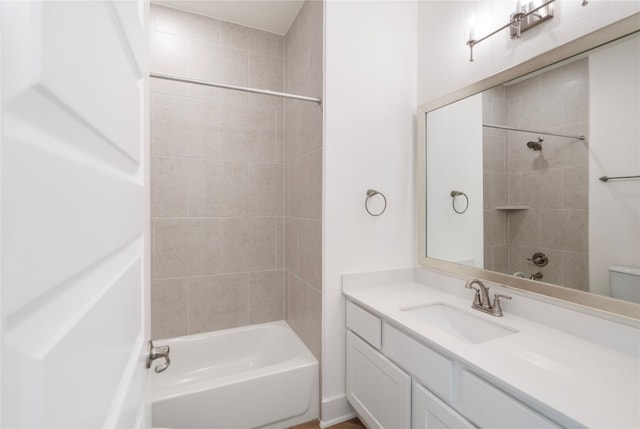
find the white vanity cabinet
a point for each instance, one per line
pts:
(395, 381)
(378, 389)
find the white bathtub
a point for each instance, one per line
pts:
(258, 376)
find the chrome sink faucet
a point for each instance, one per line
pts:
(481, 300)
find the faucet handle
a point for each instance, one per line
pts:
(497, 308)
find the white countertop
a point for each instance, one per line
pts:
(588, 383)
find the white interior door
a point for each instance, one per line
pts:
(74, 213)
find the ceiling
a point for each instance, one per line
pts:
(274, 16)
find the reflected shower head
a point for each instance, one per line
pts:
(536, 144)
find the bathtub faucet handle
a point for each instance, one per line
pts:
(154, 353)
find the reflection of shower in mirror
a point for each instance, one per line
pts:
(536, 145)
(525, 143)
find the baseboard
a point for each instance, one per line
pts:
(335, 409)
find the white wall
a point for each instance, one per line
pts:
(370, 108)
(443, 56)
(614, 150)
(454, 136)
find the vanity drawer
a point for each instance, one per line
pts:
(489, 407)
(365, 324)
(432, 369)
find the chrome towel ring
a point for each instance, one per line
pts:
(372, 193)
(456, 194)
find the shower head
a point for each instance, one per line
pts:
(536, 144)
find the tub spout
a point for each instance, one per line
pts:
(154, 353)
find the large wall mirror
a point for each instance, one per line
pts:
(512, 175)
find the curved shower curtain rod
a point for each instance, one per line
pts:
(235, 88)
(504, 127)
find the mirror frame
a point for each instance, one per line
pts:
(620, 311)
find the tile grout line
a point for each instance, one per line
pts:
(248, 298)
(188, 305)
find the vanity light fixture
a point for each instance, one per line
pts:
(525, 17)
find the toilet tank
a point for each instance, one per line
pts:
(625, 283)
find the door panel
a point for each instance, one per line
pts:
(75, 212)
(58, 223)
(77, 54)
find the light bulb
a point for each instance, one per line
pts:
(472, 28)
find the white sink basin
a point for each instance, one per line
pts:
(460, 324)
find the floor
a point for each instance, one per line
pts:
(349, 424)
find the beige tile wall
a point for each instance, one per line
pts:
(217, 177)
(552, 182)
(236, 192)
(303, 177)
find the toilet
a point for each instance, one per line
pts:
(625, 283)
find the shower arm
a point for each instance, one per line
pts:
(607, 178)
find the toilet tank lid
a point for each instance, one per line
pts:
(626, 270)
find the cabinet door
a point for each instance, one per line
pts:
(377, 389)
(429, 412)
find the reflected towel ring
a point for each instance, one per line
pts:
(372, 193)
(456, 194)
